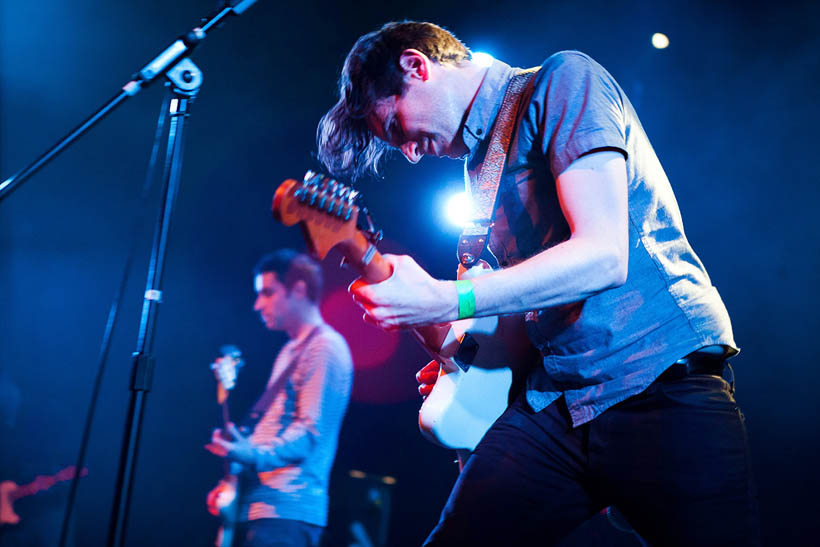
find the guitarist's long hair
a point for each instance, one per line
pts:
(371, 72)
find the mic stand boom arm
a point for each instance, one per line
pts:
(159, 66)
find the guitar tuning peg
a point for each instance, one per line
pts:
(312, 178)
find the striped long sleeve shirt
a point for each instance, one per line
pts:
(296, 437)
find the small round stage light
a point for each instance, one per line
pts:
(482, 59)
(458, 209)
(660, 40)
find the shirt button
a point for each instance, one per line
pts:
(479, 131)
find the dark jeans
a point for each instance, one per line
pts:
(278, 533)
(673, 459)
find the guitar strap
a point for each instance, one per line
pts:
(275, 387)
(484, 188)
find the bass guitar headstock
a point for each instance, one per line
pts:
(226, 369)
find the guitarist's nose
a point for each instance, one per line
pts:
(411, 151)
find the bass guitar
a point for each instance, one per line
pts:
(226, 369)
(477, 357)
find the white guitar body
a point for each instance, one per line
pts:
(464, 404)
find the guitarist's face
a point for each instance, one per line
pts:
(426, 118)
(272, 301)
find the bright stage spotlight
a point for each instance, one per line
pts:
(482, 59)
(660, 40)
(458, 209)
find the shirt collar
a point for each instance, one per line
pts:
(486, 104)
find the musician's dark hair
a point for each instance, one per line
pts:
(371, 72)
(291, 266)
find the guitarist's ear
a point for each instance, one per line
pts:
(415, 64)
(299, 289)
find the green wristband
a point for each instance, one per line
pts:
(466, 298)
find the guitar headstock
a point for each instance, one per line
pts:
(329, 212)
(226, 369)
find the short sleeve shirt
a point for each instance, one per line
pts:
(610, 346)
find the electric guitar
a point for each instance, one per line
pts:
(226, 369)
(477, 357)
(11, 492)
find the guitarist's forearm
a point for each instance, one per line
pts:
(592, 193)
(569, 272)
(291, 447)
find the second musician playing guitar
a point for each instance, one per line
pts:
(289, 446)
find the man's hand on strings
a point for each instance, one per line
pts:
(408, 298)
(237, 447)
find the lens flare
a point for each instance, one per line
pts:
(660, 40)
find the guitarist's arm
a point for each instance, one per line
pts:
(592, 192)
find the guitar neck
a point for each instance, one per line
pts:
(44, 482)
(226, 413)
(331, 215)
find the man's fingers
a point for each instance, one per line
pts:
(222, 443)
(216, 434)
(428, 373)
(427, 377)
(216, 449)
(234, 431)
(356, 285)
(361, 292)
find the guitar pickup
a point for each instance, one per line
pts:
(467, 351)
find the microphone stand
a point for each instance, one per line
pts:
(184, 80)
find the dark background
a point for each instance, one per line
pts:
(730, 106)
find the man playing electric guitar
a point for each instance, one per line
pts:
(627, 406)
(287, 457)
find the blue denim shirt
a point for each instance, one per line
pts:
(602, 350)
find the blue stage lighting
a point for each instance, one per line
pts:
(458, 209)
(482, 59)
